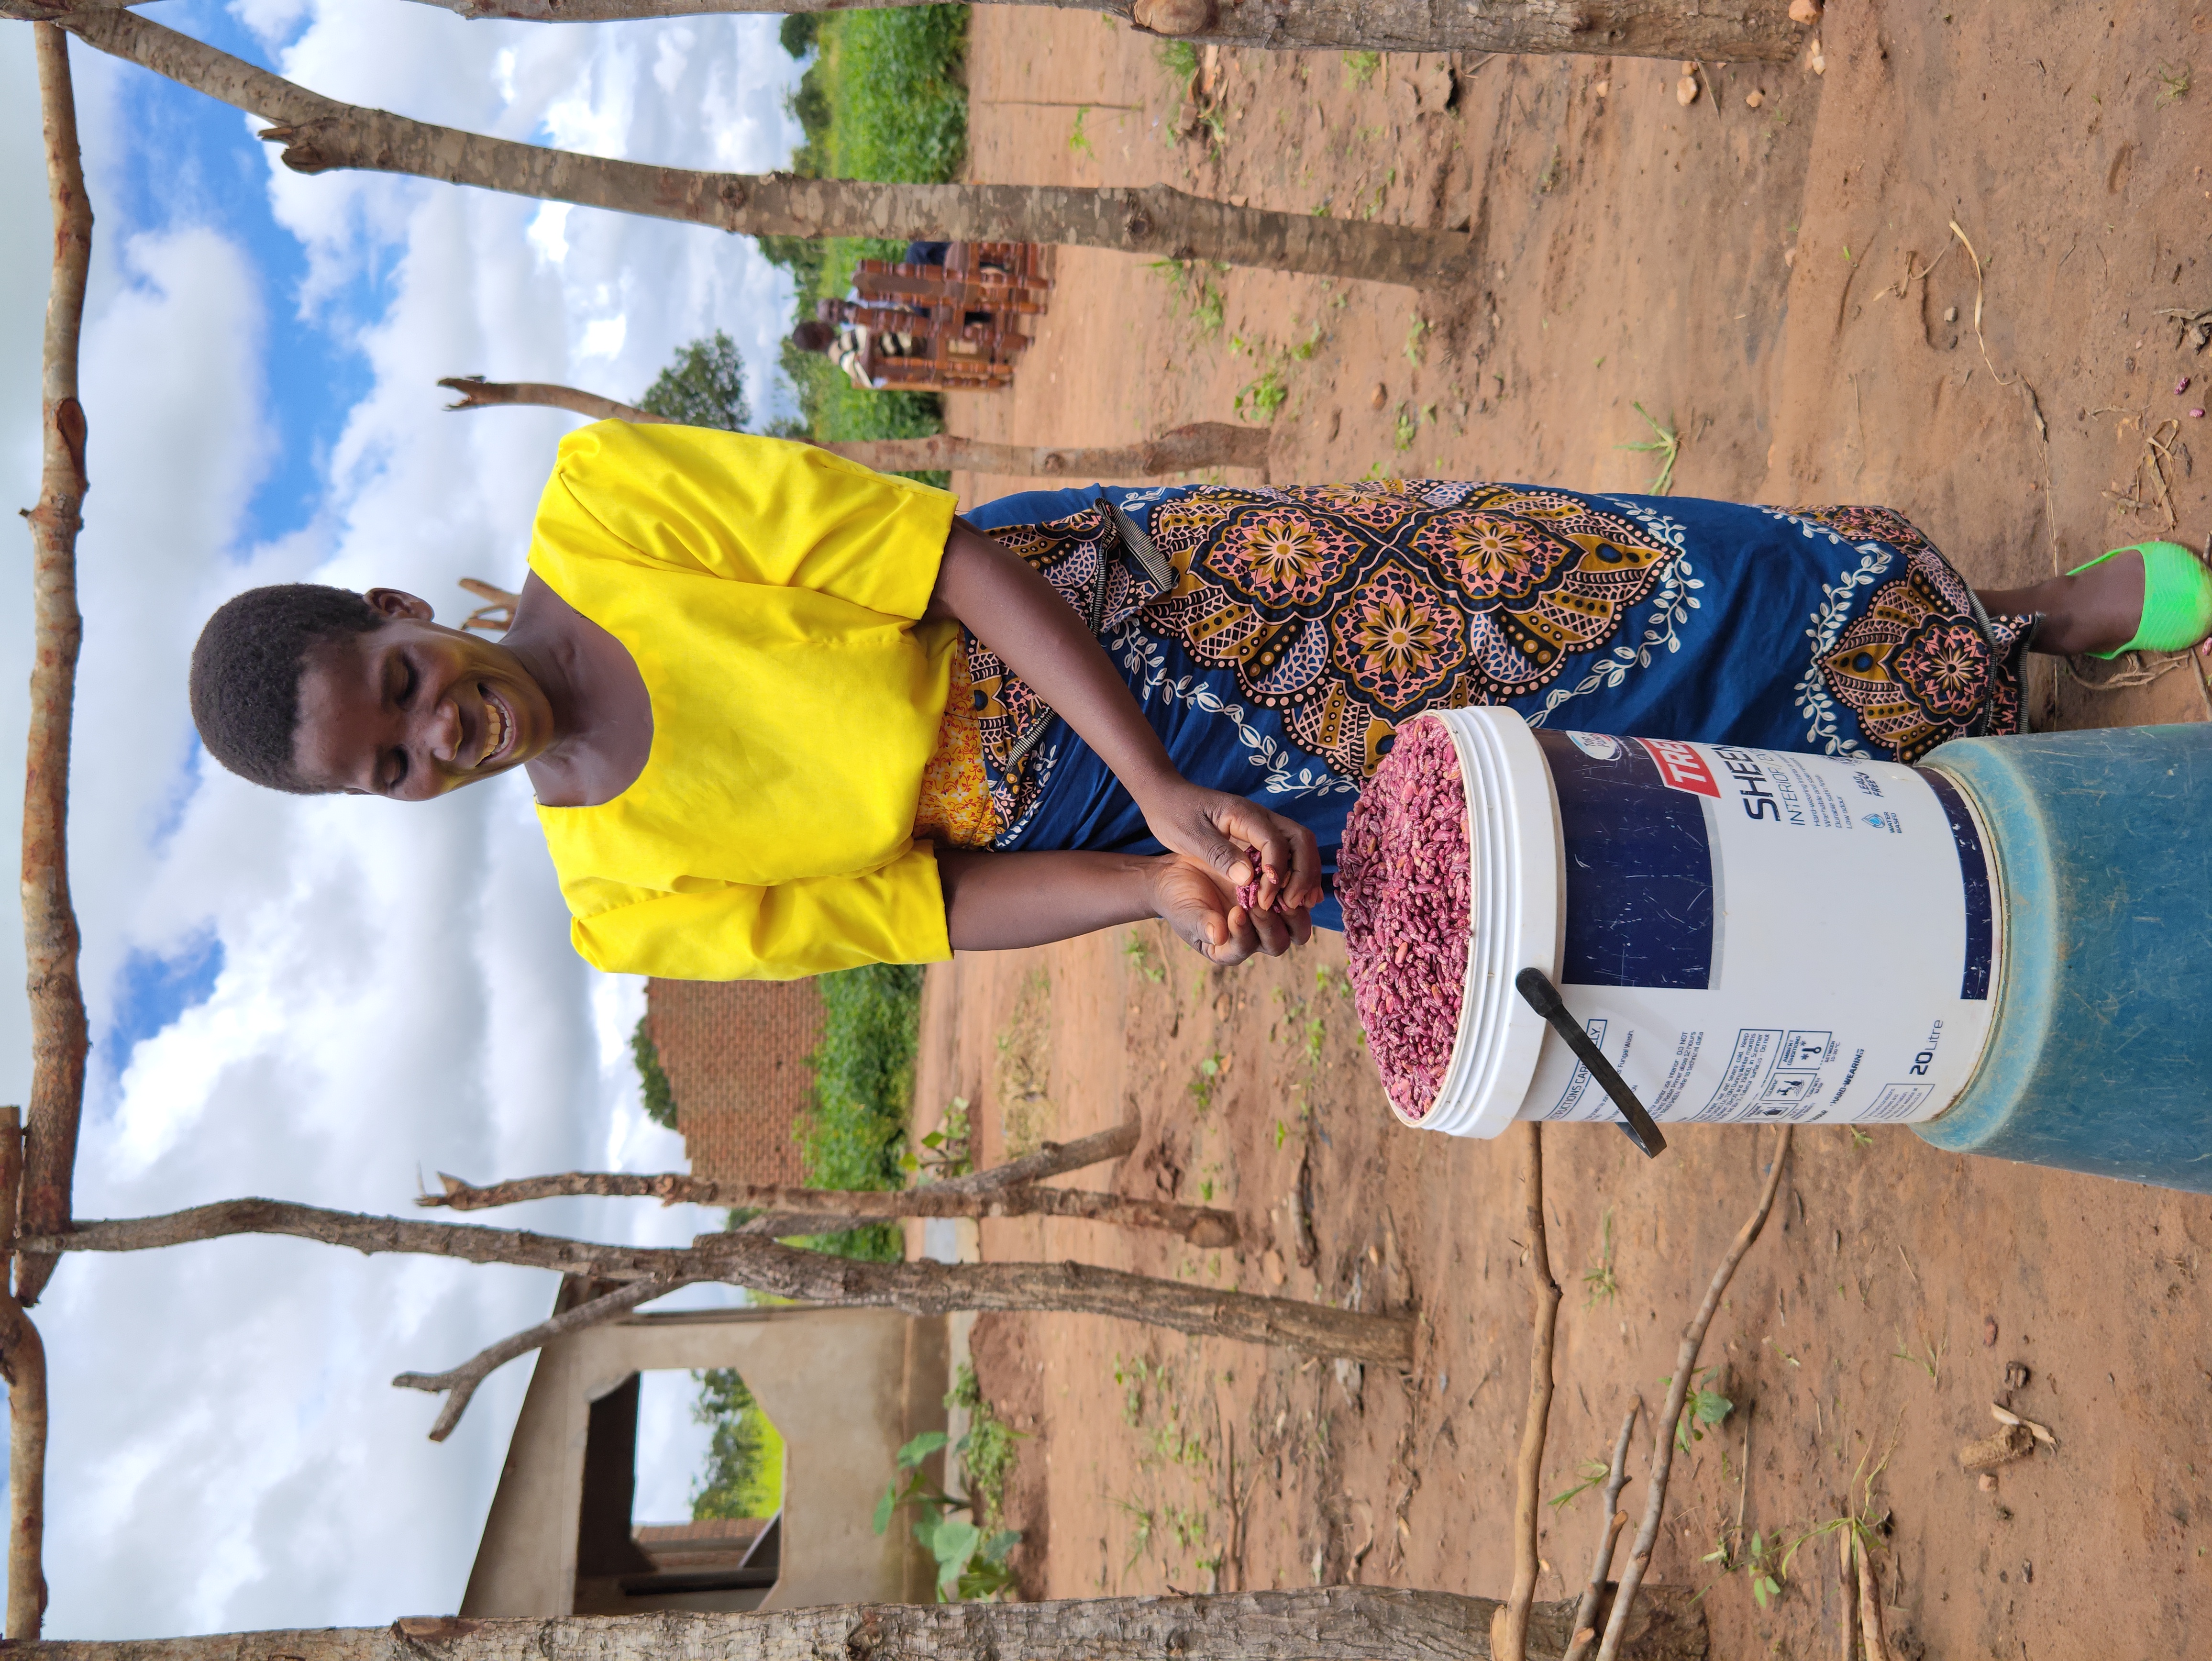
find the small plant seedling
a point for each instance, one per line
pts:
(1178, 57)
(1137, 951)
(1359, 67)
(1077, 140)
(1204, 1080)
(1598, 1282)
(1305, 349)
(1593, 1472)
(1414, 341)
(1929, 1362)
(1666, 443)
(1760, 1563)
(2172, 84)
(945, 1152)
(1265, 394)
(1702, 1408)
(1408, 427)
(1282, 1132)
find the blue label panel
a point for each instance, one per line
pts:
(1974, 872)
(1639, 868)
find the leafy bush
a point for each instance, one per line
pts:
(854, 1130)
(652, 1080)
(972, 1557)
(745, 1461)
(705, 387)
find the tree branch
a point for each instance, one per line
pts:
(1181, 449)
(919, 1288)
(319, 134)
(462, 1381)
(1685, 1364)
(58, 1040)
(1509, 1637)
(1609, 1531)
(1321, 1623)
(790, 1211)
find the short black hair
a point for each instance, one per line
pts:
(813, 336)
(246, 668)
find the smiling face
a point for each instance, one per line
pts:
(413, 709)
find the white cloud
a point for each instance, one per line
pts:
(397, 991)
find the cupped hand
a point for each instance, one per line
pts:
(1199, 903)
(1220, 830)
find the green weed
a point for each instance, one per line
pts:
(1598, 1283)
(1665, 443)
(1204, 1080)
(1137, 954)
(971, 1557)
(2172, 84)
(1077, 141)
(1359, 67)
(1408, 427)
(1413, 349)
(1265, 394)
(1593, 1472)
(1702, 1410)
(947, 1151)
(1178, 57)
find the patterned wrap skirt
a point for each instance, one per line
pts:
(1277, 639)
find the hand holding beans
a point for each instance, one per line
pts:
(1222, 831)
(1203, 909)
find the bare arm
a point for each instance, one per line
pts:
(1014, 612)
(995, 902)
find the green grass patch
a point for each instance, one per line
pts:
(854, 1131)
(744, 1460)
(885, 98)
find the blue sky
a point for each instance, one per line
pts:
(315, 999)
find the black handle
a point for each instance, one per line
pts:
(1535, 987)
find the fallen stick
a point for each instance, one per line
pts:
(1509, 1631)
(1685, 1364)
(1873, 1638)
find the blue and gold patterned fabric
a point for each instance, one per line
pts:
(1277, 639)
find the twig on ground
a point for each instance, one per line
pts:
(1685, 1365)
(1615, 1519)
(1848, 1572)
(1872, 1637)
(460, 1383)
(1509, 1630)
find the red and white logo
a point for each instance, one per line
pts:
(1681, 767)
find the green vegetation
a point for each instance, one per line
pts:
(1665, 444)
(972, 1555)
(853, 1135)
(705, 387)
(1592, 1472)
(744, 1461)
(1359, 67)
(1598, 1283)
(1702, 1408)
(885, 98)
(653, 1081)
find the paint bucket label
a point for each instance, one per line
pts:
(1756, 934)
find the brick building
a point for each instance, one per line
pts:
(735, 1053)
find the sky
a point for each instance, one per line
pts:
(327, 1000)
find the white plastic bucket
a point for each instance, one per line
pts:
(1748, 934)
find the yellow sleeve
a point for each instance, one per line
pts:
(716, 931)
(761, 510)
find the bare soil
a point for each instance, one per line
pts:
(1748, 276)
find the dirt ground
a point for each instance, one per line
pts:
(1748, 274)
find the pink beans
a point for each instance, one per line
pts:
(1248, 895)
(1402, 881)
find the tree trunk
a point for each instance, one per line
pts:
(1180, 450)
(1730, 31)
(1326, 1623)
(923, 1288)
(58, 1041)
(24, 1364)
(320, 133)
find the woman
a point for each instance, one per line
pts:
(783, 714)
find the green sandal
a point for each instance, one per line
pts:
(2177, 609)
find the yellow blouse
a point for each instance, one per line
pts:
(771, 594)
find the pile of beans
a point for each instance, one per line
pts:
(1402, 881)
